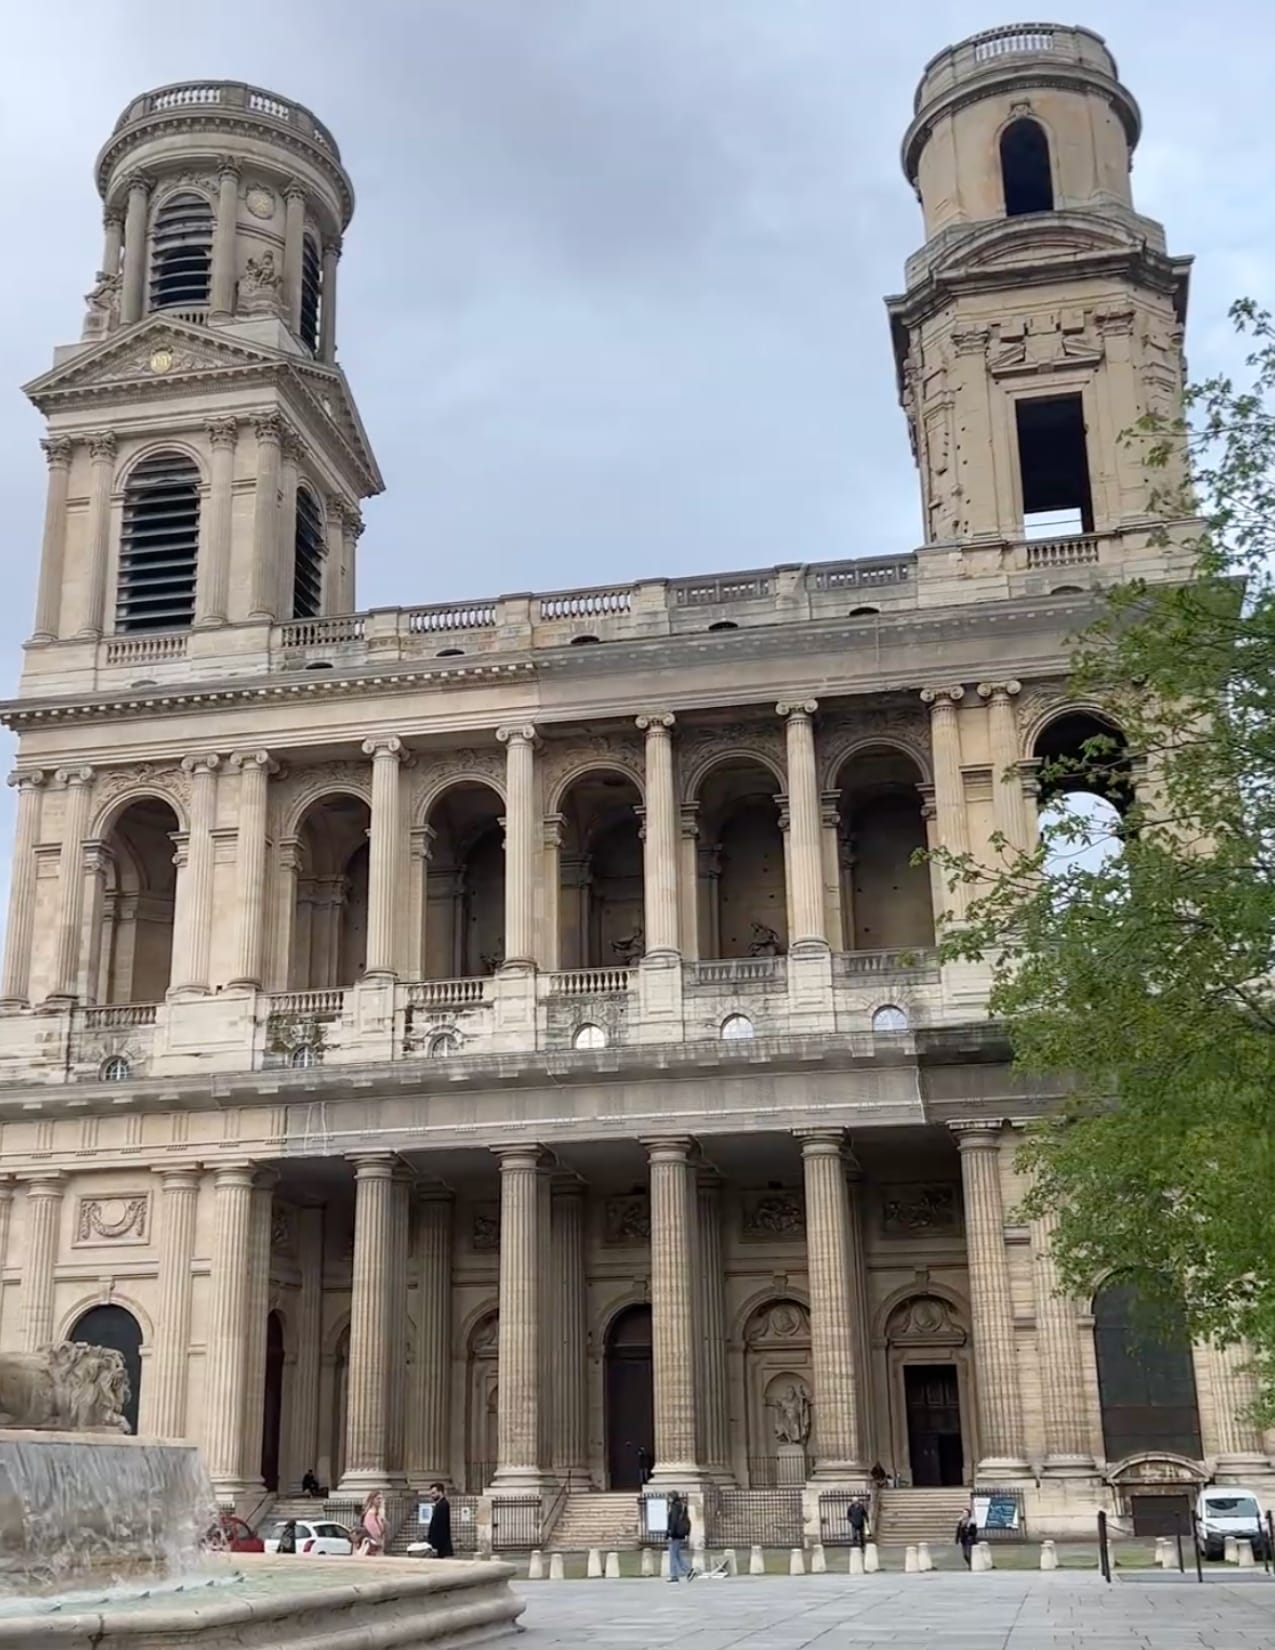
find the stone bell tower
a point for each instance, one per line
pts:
(206, 458)
(1043, 316)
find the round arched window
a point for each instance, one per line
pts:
(444, 1045)
(737, 1028)
(889, 1018)
(589, 1036)
(116, 1069)
(306, 1056)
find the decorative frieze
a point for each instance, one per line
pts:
(921, 1210)
(626, 1221)
(773, 1216)
(783, 1321)
(484, 1230)
(123, 1218)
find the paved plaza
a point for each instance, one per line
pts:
(940, 1612)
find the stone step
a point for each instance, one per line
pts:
(596, 1519)
(920, 1515)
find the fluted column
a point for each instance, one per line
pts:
(212, 576)
(16, 985)
(258, 1310)
(254, 769)
(168, 1375)
(292, 451)
(1235, 1391)
(43, 1227)
(133, 292)
(949, 784)
(226, 1361)
(1062, 1371)
(673, 1328)
(303, 1406)
(396, 1349)
(571, 1335)
(430, 1411)
(1008, 802)
(712, 1315)
(367, 1409)
(58, 451)
(327, 301)
(382, 900)
(293, 250)
(520, 843)
(1000, 1410)
(522, 1297)
(224, 247)
(101, 478)
(833, 1334)
(195, 889)
(75, 783)
(112, 242)
(805, 857)
(659, 842)
(263, 585)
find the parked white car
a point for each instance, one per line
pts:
(315, 1540)
(1223, 1510)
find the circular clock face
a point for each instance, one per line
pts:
(260, 202)
(162, 361)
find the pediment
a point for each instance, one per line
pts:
(158, 350)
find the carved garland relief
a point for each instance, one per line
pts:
(121, 1219)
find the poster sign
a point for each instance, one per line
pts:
(424, 1512)
(656, 1515)
(996, 1512)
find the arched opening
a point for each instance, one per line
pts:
(465, 884)
(1146, 1376)
(886, 901)
(181, 253)
(311, 285)
(482, 1438)
(600, 905)
(139, 893)
(272, 1403)
(330, 924)
(743, 904)
(159, 545)
(1085, 791)
(308, 551)
(928, 1369)
(778, 1392)
(1025, 172)
(630, 1399)
(115, 1327)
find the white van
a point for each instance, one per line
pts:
(1224, 1510)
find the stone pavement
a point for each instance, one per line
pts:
(939, 1612)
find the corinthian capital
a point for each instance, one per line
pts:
(57, 450)
(222, 432)
(102, 445)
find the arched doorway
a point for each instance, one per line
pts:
(927, 1352)
(1146, 1376)
(600, 905)
(330, 926)
(134, 959)
(886, 900)
(741, 881)
(465, 884)
(777, 1375)
(115, 1327)
(272, 1403)
(630, 1399)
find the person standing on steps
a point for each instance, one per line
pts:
(679, 1533)
(967, 1533)
(439, 1534)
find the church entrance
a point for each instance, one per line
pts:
(630, 1399)
(272, 1407)
(933, 1398)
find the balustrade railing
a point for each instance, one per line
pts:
(307, 1002)
(864, 575)
(898, 961)
(144, 650)
(590, 982)
(118, 1016)
(730, 587)
(464, 993)
(428, 621)
(1078, 551)
(735, 970)
(349, 627)
(1020, 37)
(587, 604)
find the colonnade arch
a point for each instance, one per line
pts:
(601, 892)
(114, 1326)
(329, 941)
(138, 903)
(465, 883)
(742, 903)
(886, 900)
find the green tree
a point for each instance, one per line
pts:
(1141, 967)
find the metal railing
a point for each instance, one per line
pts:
(516, 1522)
(834, 1518)
(1005, 1528)
(770, 1472)
(478, 1474)
(765, 1518)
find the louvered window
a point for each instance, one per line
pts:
(311, 279)
(307, 576)
(181, 253)
(159, 546)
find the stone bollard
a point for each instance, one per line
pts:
(924, 1562)
(977, 1558)
(818, 1560)
(910, 1563)
(871, 1558)
(648, 1561)
(731, 1561)
(536, 1566)
(1244, 1554)
(756, 1562)
(1231, 1550)
(613, 1567)
(985, 1548)
(1048, 1556)
(666, 1570)
(1161, 1552)
(556, 1570)
(796, 1562)
(593, 1569)
(856, 1561)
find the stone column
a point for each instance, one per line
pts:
(660, 837)
(293, 249)
(1062, 1372)
(292, 451)
(327, 301)
(268, 428)
(48, 599)
(262, 1221)
(520, 843)
(303, 1407)
(805, 858)
(226, 1361)
(673, 1329)
(7, 1187)
(254, 769)
(212, 577)
(133, 290)
(383, 892)
(112, 242)
(522, 1296)
(225, 241)
(396, 1347)
(195, 889)
(833, 1336)
(712, 1316)
(101, 480)
(571, 1335)
(43, 1227)
(168, 1375)
(949, 784)
(1000, 1411)
(430, 1452)
(16, 984)
(336, 596)
(1008, 802)
(367, 1423)
(1239, 1440)
(75, 783)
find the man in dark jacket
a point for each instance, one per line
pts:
(967, 1533)
(439, 1534)
(858, 1517)
(679, 1533)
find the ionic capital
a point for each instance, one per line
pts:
(29, 780)
(656, 723)
(239, 760)
(517, 733)
(796, 710)
(222, 432)
(200, 763)
(72, 777)
(1002, 691)
(102, 446)
(942, 698)
(384, 747)
(57, 451)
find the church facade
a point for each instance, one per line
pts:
(489, 1041)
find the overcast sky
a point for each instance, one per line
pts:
(611, 299)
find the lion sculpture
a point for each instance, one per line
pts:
(66, 1388)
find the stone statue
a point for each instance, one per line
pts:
(629, 947)
(261, 288)
(103, 305)
(67, 1388)
(792, 1415)
(765, 942)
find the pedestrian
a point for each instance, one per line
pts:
(310, 1484)
(372, 1526)
(439, 1533)
(858, 1517)
(288, 1537)
(967, 1533)
(679, 1533)
(644, 1463)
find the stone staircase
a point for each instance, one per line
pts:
(591, 1519)
(907, 1516)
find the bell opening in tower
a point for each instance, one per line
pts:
(1053, 466)
(1025, 173)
